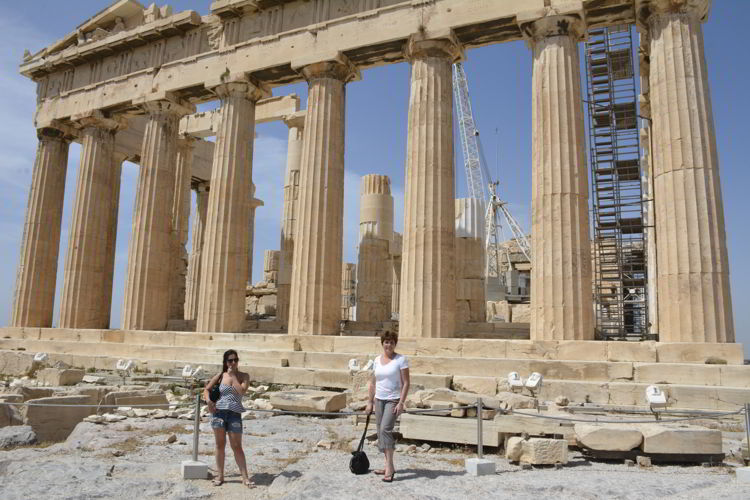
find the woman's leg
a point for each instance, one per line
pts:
(235, 441)
(378, 417)
(221, 441)
(388, 442)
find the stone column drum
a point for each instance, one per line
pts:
(693, 267)
(348, 291)
(318, 244)
(180, 227)
(192, 285)
(561, 295)
(395, 259)
(296, 126)
(470, 265)
(114, 213)
(428, 276)
(147, 285)
(225, 262)
(89, 261)
(34, 299)
(253, 204)
(375, 235)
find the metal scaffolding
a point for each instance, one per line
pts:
(619, 246)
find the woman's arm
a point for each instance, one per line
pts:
(370, 394)
(405, 383)
(211, 382)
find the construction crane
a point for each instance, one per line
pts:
(481, 187)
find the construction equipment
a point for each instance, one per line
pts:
(481, 187)
(620, 277)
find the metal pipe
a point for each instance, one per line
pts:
(196, 426)
(747, 429)
(479, 428)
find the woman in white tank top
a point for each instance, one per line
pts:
(388, 388)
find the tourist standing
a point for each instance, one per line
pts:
(227, 414)
(388, 388)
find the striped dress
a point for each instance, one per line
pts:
(229, 399)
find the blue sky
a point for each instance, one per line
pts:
(500, 83)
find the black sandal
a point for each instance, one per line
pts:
(388, 479)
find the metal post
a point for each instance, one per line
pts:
(479, 428)
(747, 428)
(197, 426)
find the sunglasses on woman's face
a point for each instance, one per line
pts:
(232, 360)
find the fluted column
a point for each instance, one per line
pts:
(395, 259)
(695, 303)
(89, 262)
(147, 285)
(318, 243)
(196, 254)
(180, 227)
(221, 305)
(296, 124)
(114, 212)
(254, 203)
(428, 274)
(34, 299)
(375, 235)
(561, 296)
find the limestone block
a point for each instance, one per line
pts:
(680, 440)
(520, 313)
(632, 351)
(537, 451)
(467, 398)
(447, 430)
(16, 363)
(484, 348)
(698, 352)
(582, 350)
(515, 424)
(136, 398)
(575, 391)
(16, 435)
(677, 374)
(57, 377)
(478, 385)
(340, 379)
(308, 400)
(608, 437)
(33, 392)
(293, 376)
(9, 415)
(513, 401)
(54, 423)
(735, 376)
(438, 347)
(424, 381)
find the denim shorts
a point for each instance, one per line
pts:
(229, 420)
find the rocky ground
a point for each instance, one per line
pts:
(303, 457)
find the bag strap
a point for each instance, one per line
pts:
(364, 433)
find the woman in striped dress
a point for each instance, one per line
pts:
(227, 414)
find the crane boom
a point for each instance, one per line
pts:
(476, 179)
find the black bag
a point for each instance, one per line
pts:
(359, 464)
(214, 393)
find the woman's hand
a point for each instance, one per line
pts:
(368, 408)
(211, 406)
(399, 409)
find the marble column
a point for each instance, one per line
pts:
(395, 259)
(254, 203)
(561, 294)
(695, 303)
(375, 235)
(296, 124)
(318, 244)
(147, 285)
(34, 299)
(86, 297)
(196, 254)
(348, 291)
(470, 266)
(428, 274)
(180, 227)
(114, 213)
(221, 306)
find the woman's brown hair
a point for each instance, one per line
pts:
(389, 335)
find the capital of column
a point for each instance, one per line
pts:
(164, 103)
(239, 86)
(295, 120)
(52, 133)
(98, 119)
(647, 9)
(338, 67)
(185, 141)
(552, 24)
(419, 47)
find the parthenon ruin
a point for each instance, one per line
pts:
(126, 83)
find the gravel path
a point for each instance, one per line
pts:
(285, 462)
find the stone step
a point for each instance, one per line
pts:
(641, 352)
(466, 368)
